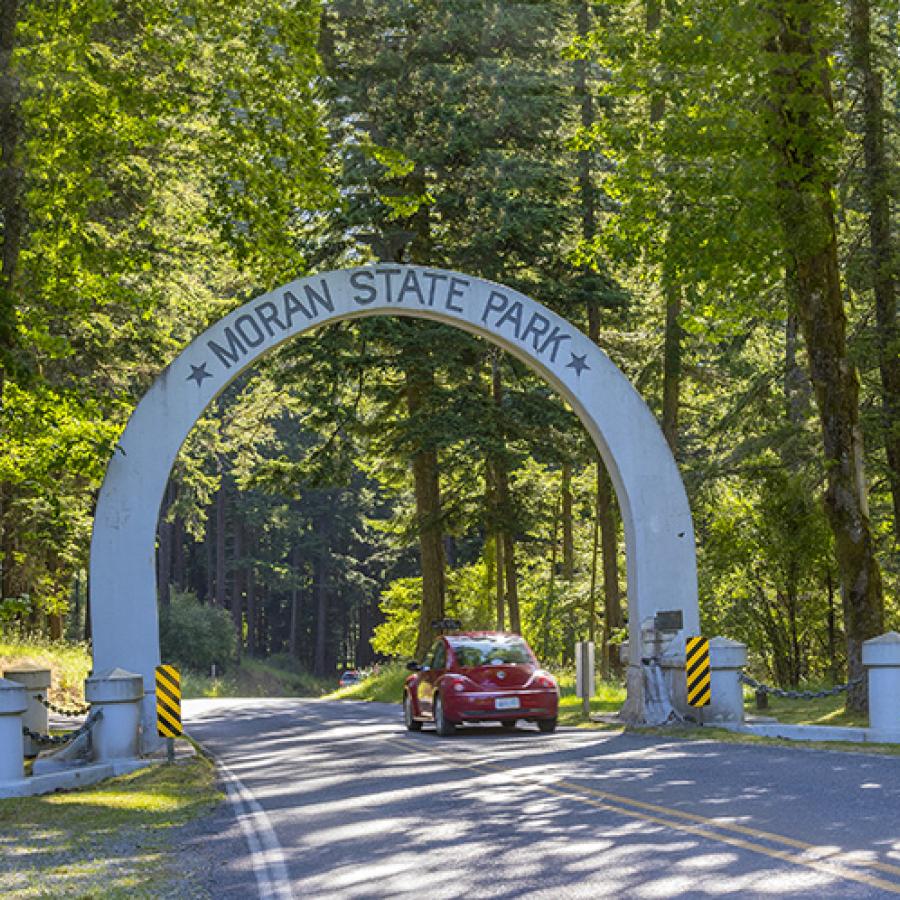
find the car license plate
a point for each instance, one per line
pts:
(507, 703)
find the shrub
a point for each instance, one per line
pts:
(194, 636)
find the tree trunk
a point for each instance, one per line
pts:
(512, 582)
(164, 551)
(426, 482)
(12, 213)
(671, 381)
(237, 584)
(568, 536)
(179, 577)
(505, 516)
(210, 547)
(252, 611)
(221, 599)
(609, 543)
(671, 363)
(877, 185)
(550, 603)
(806, 209)
(295, 601)
(500, 579)
(592, 594)
(321, 589)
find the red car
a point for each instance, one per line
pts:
(485, 676)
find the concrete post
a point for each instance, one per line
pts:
(36, 682)
(881, 656)
(727, 659)
(13, 703)
(118, 694)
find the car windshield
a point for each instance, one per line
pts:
(491, 652)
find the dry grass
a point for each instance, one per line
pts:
(69, 664)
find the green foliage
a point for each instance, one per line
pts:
(398, 634)
(196, 636)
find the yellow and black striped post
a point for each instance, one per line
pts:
(696, 667)
(168, 705)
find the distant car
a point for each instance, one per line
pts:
(350, 677)
(485, 676)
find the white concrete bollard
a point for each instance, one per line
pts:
(727, 659)
(118, 694)
(13, 703)
(36, 682)
(881, 656)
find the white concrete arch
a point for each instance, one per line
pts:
(659, 537)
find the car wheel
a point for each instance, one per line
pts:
(441, 725)
(412, 724)
(509, 724)
(548, 726)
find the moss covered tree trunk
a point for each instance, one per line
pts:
(800, 123)
(882, 246)
(11, 228)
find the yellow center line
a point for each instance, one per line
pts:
(834, 865)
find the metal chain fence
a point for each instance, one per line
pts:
(72, 713)
(761, 688)
(55, 740)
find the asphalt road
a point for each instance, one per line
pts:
(337, 799)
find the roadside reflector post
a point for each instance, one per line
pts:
(698, 673)
(13, 703)
(584, 674)
(36, 682)
(168, 707)
(119, 695)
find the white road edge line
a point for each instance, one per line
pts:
(266, 855)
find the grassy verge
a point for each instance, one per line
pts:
(820, 711)
(608, 697)
(113, 840)
(385, 685)
(69, 664)
(257, 678)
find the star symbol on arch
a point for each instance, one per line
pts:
(199, 374)
(578, 363)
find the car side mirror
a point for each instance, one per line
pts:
(413, 666)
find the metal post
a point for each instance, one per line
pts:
(584, 674)
(170, 749)
(586, 696)
(13, 703)
(881, 656)
(36, 682)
